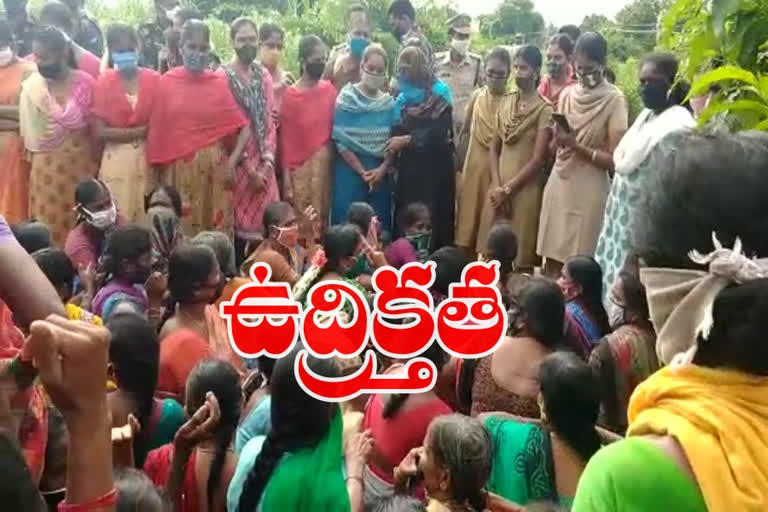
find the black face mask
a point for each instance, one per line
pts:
(246, 53)
(50, 71)
(655, 95)
(314, 70)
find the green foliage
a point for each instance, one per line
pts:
(627, 81)
(516, 21)
(729, 36)
(633, 33)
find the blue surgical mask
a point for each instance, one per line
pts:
(357, 46)
(126, 62)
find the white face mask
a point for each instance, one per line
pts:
(6, 56)
(615, 314)
(460, 46)
(374, 82)
(103, 219)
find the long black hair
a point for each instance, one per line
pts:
(134, 352)
(542, 305)
(220, 378)
(298, 421)
(586, 272)
(125, 243)
(188, 267)
(571, 394)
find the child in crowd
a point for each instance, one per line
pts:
(416, 242)
(59, 270)
(32, 235)
(128, 266)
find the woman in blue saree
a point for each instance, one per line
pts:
(362, 123)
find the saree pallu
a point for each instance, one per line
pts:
(312, 186)
(518, 128)
(53, 178)
(476, 174)
(14, 168)
(206, 189)
(523, 469)
(362, 126)
(14, 185)
(622, 360)
(125, 171)
(124, 166)
(249, 204)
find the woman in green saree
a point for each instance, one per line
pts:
(534, 460)
(300, 465)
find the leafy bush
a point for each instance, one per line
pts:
(627, 80)
(729, 36)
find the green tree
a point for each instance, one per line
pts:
(516, 18)
(723, 44)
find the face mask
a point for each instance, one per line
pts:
(50, 71)
(555, 69)
(496, 85)
(655, 95)
(525, 83)
(460, 46)
(288, 237)
(270, 57)
(101, 220)
(421, 242)
(357, 46)
(6, 56)
(195, 61)
(126, 62)
(591, 80)
(374, 82)
(246, 53)
(314, 70)
(615, 315)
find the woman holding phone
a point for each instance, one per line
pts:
(576, 192)
(517, 155)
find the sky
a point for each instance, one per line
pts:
(557, 12)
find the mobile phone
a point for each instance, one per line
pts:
(562, 122)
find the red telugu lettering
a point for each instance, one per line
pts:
(262, 317)
(471, 322)
(403, 295)
(334, 334)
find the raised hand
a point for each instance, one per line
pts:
(71, 358)
(200, 426)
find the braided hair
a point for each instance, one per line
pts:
(298, 421)
(188, 267)
(220, 378)
(134, 352)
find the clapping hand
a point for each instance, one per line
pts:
(200, 426)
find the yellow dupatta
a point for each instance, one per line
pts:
(720, 418)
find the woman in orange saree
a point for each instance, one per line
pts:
(122, 102)
(13, 167)
(54, 107)
(193, 119)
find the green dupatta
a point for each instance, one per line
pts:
(311, 478)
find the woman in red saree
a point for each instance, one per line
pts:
(306, 122)
(194, 120)
(122, 102)
(256, 184)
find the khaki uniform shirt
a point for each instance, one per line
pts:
(463, 78)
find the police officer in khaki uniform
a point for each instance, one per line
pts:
(464, 72)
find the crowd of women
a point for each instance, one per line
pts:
(633, 377)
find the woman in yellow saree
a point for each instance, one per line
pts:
(53, 112)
